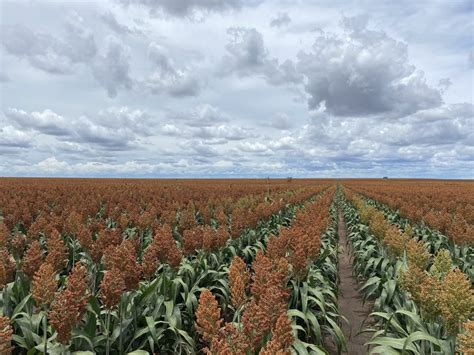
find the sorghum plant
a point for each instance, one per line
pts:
(6, 333)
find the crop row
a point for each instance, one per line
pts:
(286, 299)
(124, 289)
(422, 302)
(445, 206)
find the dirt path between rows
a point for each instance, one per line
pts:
(350, 300)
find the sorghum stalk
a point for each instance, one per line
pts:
(107, 322)
(73, 253)
(45, 329)
(120, 325)
(5, 299)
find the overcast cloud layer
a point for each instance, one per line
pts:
(237, 88)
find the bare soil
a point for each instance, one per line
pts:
(350, 300)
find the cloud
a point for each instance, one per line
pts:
(111, 21)
(232, 133)
(55, 55)
(363, 72)
(414, 137)
(199, 149)
(47, 122)
(167, 77)
(111, 68)
(205, 90)
(282, 19)
(281, 121)
(185, 8)
(59, 54)
(256, 147)
(112, 129)
(10, 137)
(247, 55)
(4, 78)
(137, 120)
(204, 115)
(170, 130)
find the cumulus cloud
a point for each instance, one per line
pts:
(416, 137)
(356, 73)
(47, 122)
(10, 137)
(363, 72)
(110, 20)
(76, 45)
(199, 149)
(255, 147)
(185, 8)
(204, 115)
(348, 101)
(232, 133)
(111, 129)
(281, 121)
(112, 68)
(247, 55)
(282, 19)
(167, 77)
(52, 54)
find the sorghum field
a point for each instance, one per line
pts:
(117, 266)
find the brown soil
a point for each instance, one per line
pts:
(350, 300)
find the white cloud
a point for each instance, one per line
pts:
(364, 72)
(236, 88)
(47, 122)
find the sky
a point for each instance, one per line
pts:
(237, 88)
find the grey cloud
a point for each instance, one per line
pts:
(185, 8)
(111, 68)
(113, 128)
(167, 77)
(256, 147)
(111, 139)
(281, 121)
(444, 84)
(111, 21)
(12, 138)
(416, 137)
(4, 78)
(247, 55)
(204, 115)
(55, 55)
(58, 54)
(118, 117)
(233, 133)
(471, 59)
(47, 122)
(199, 148)
(364, 72)
(170, 130)
(282, 19)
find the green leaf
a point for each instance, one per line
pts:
(19, 307)
(418, 335)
